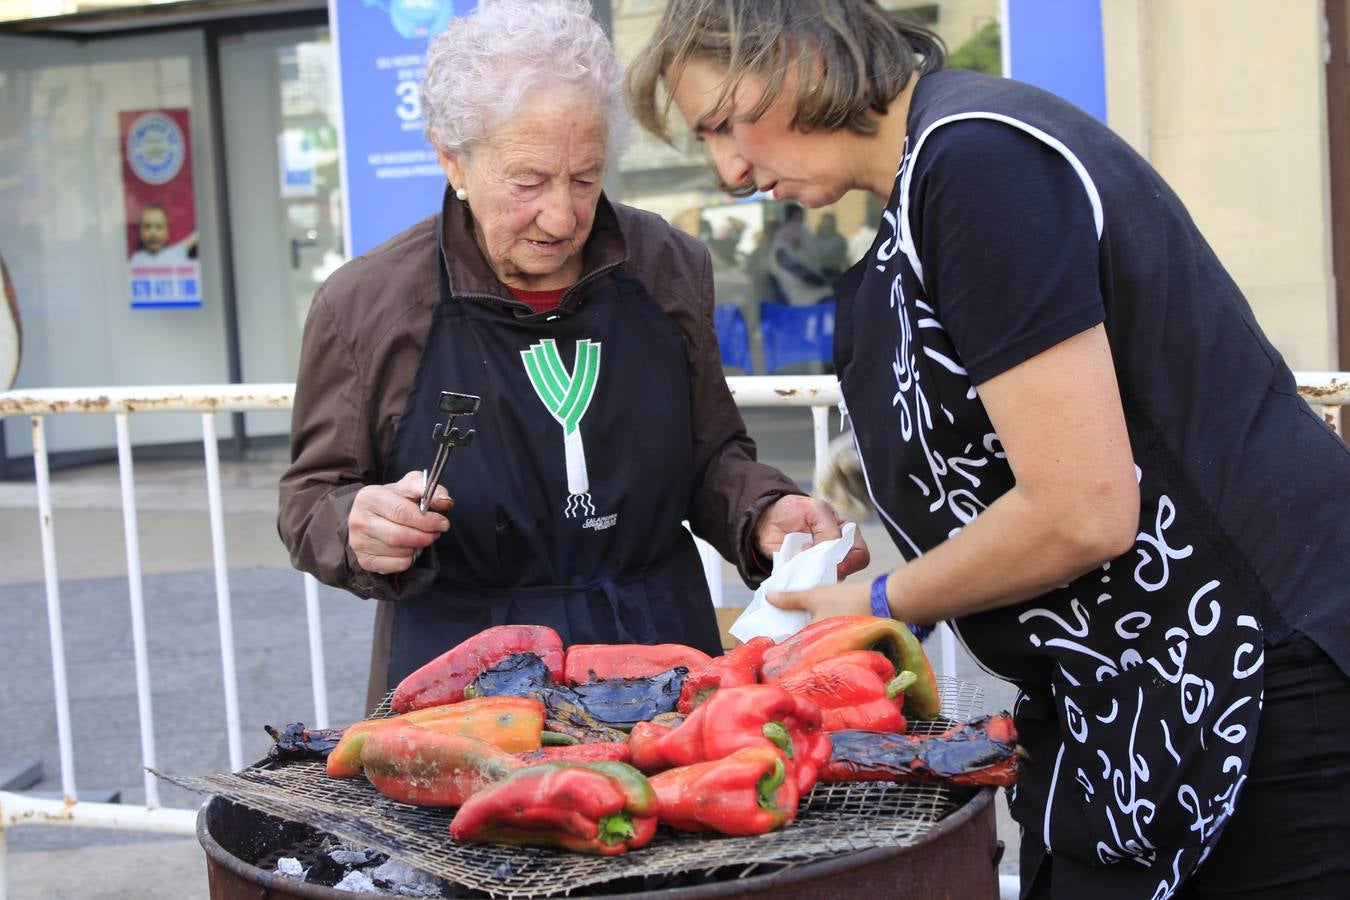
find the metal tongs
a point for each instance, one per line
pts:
(447, 437)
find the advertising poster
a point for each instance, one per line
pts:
(391, 176)
(161, 212)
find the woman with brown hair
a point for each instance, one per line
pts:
(1097, 466)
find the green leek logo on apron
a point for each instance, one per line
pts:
(567, 395)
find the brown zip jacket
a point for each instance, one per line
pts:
(362, 344)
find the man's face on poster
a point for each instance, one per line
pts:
(154, 229)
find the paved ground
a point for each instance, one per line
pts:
(185, 671)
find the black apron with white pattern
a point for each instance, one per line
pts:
(1140, 681)
(569, 500)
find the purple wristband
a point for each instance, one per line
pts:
(881, 607)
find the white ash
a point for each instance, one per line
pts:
(345, 856)
(289, 865)
(403, 879)
(357, 882)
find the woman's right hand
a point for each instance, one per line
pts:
(385, 527)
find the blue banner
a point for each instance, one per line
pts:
(1057, 45)
(391, 178)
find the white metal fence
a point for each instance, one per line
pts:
(1328, 390)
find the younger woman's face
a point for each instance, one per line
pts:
(154, 229)
(809, 167)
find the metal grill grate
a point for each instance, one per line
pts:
(833, 819)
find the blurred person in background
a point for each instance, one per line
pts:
(1097, 466)
(792, 262)
(586, 328)
(831, 248)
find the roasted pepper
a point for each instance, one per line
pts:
(513, 724)
(739, 666)
(854, 690)
(299, 742)
(614, 751)
(444, 678)
(983, 751)
(830, 637)
(595, 662)
(754, 715)
(525, 675)
(596, 807)
(752, 791)
(413, 764)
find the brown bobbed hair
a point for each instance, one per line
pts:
(845, 60)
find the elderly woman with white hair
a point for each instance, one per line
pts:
(586, 328)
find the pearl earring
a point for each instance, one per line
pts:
(461, 194)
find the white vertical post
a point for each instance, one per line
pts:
(820, 420)
(3, 876)
(131, 527)
(316, 661)
(223, 613)
(54, 630)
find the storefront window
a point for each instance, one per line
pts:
(677, 182)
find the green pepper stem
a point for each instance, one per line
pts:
(470, 691)
(614, 828)
(769, 785)
(556, 739)
(899, 684)
(778, 733)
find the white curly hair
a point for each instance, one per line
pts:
(483, 64)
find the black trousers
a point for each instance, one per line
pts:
(1289, 838)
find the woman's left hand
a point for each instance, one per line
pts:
(795, 513)
(848, 598)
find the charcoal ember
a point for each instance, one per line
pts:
(345, 856)
(290, 866)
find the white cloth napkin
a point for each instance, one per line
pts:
(796, 567)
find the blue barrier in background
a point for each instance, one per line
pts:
(796, 334)
(732, 336)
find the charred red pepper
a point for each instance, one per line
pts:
(981, 752)
(739, 666)
(444, 678)
(599, 662)
(752, 791)
(612, 751)
(755, 715)
(830, 637)
(599, 807)
(514, 724)
(413, 764)
(854, 690)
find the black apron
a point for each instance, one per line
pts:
(569, 500)
(1141, 680)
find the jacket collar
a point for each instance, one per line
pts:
(472, 278)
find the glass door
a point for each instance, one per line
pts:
(280, 113)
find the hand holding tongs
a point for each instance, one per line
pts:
(447, 437)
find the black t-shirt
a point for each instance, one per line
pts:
(1018, 221)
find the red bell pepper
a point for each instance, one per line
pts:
(599, 807)
(612, 751)
(739, 666)
(755, 715)
(603, 662)
(981, 752)
(854, 690)
(444, 678)
(413, 764)
(830, 637)
(752, 791)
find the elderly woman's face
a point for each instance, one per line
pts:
(533, 187)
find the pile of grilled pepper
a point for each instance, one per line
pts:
(589, 748)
